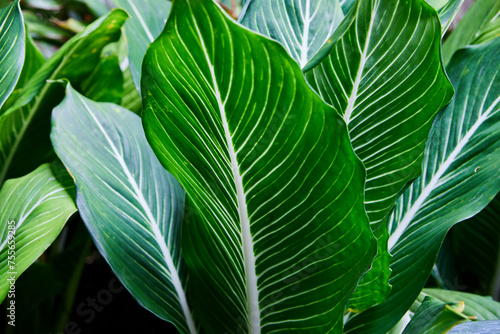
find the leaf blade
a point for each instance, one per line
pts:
(450, 166)
(123, 191)
(211, 128)
(39, 204)
(12, 36)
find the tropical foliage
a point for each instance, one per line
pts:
(297, 166)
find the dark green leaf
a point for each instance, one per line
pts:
(12, 37)
(382, 71)
(460, 177)
(275, 236)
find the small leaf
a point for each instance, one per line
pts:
(475, 306)
(33, 211)
(25, 126)
(147, 19)
(12, 37)
(435, 317)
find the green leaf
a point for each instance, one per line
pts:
(447, 10)
(481, 15)
(105, 83)
(473, 253)
(147, 19)
(25, 126)
(482, 327)
(460, 177)
(131, 99)
(382, 72)
(12, 37)
(477, 307)
(132, 207)
(436, 317)
(35, 207)
(301, 26)
(347, 5)
(275, 236)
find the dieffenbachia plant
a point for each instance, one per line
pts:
(295, 170)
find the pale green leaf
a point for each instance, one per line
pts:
(475, 306)
(275, 236)
(36, 207)
(131, 205)
(301, 26)
(479, 327)
(12, 39)
(147, 19)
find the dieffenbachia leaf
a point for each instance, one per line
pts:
(475, 306)
(483, 327)
(436, 317)
(382, 71)
(36, 208)
(131, 205)
(275, 236)
(25, 126)
(147, 19)
(12, 37)
(460, 177)
(301, 26)
(476, 26)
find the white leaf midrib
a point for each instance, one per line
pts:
(436, 178)
(359, 75)
(141, 21)
(305, 35)
(139, 196)
(252, 291)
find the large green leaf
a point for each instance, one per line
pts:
(436, 317)
(382, 71)
(35, 207)
(476, 307)
(275, 237)
(12, 37)
(147, 19)
(460, 177)
(25, 126)
(301, 26)
(131, 205)
(481, 16)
